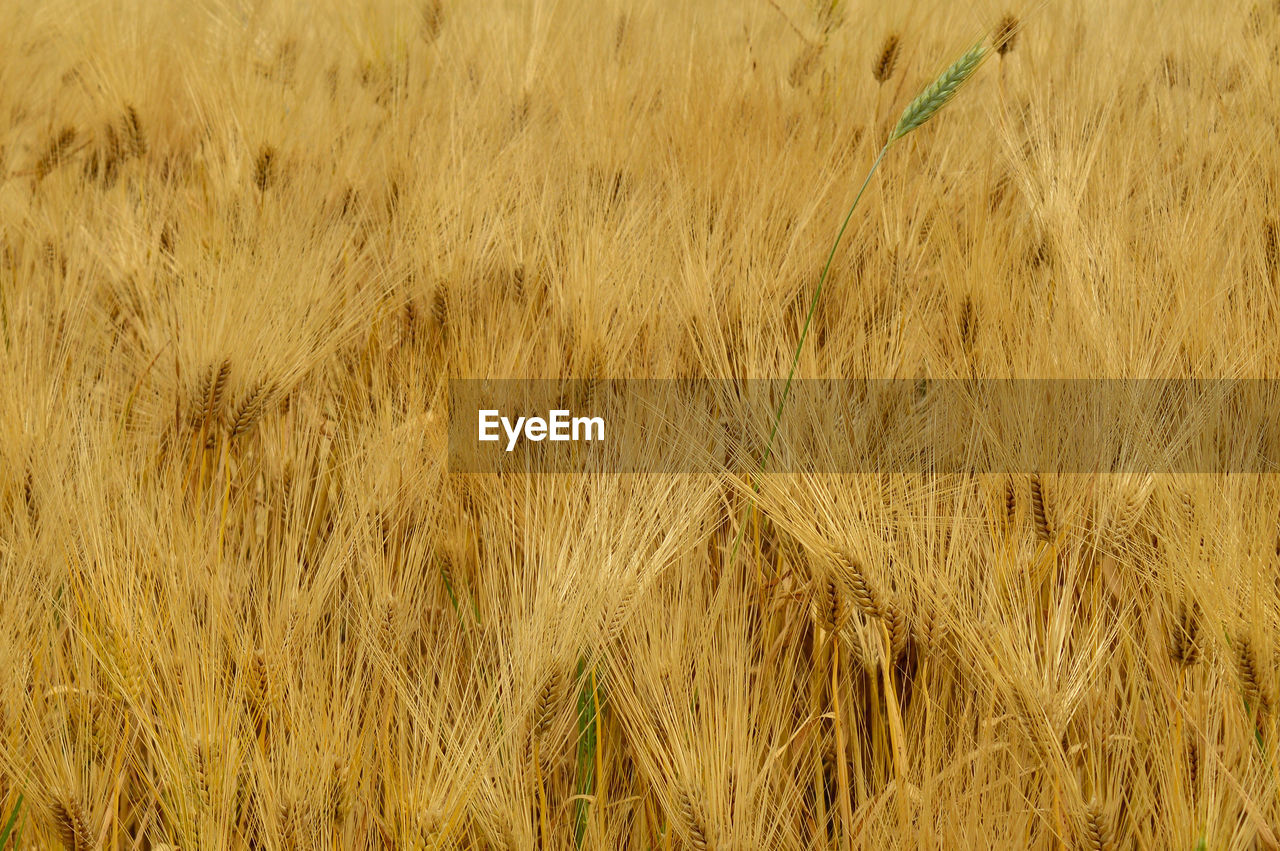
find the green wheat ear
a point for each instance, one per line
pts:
(942, 90)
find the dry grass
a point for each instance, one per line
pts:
(243, 245)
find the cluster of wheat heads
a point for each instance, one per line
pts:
(243, 246)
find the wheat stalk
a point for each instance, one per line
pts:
(882, 70)
(214, 386)
(805, 63)
(920, 110)
(695, 822)
(1006, 36)
(133, 131)
(72, 821)
(249, 410)
(1253, 679)
(1041, 513)
(264, 168)
(55, 152)
(1184, 646)
(1097, 829)
(866, 594)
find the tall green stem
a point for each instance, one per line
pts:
(919, 111)
(804, 333)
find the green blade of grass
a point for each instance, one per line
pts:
(588, 726)
(9, 824)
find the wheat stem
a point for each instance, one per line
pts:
(842, 768)
(804, 333)
(920, 110)
(897, 735)
(542, 794)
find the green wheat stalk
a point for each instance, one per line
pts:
(926, 104)
(588, 732)
(9, 825)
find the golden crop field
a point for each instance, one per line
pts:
(245, 245)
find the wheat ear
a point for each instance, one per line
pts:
(1006, 37)
(883, 68)
(934, 98)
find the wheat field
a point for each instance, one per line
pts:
(244, 245)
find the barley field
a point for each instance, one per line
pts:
(245, 245)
